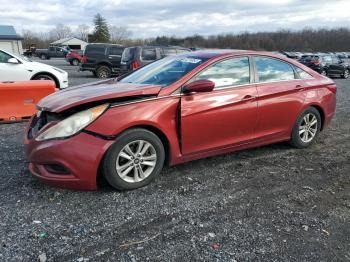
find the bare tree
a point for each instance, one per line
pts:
(61, 31)
(83, 32)
(119, 34)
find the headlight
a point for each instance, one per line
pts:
(72, 124)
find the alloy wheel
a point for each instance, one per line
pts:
(308, 128)
(346, 74)
(136, 161)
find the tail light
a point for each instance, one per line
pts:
(316, 62)
(134, 65)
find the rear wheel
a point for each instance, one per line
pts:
(346, 74)
(324, 72)
(306, 128)
(75, 62)
(134, 160)
(43, 57)
(103, 72)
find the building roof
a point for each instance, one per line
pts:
(63, 40)
(8, 32)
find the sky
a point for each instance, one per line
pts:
(150, 18)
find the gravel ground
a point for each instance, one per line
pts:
(273, 203)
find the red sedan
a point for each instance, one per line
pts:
(174, 110)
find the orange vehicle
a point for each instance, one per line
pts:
(18, 99)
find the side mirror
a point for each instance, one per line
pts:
(199, 86)
(13, 61)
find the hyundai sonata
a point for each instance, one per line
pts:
(174, 110)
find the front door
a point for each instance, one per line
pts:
(225, 116)
(11, 72)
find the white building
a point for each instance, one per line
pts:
(72, 42)
(9, 40)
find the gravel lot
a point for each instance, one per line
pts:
(273, 203)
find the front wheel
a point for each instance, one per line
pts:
(324, 72)
(45, 77)
(134, 160)
(346, 74)
(75, 62)
(306, 128)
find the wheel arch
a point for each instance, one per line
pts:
(321, 112)
(103, 63)
(50, 74)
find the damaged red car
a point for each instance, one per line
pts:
(174, 110)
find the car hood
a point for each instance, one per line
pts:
(106, 90)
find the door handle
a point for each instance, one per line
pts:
(248, 97)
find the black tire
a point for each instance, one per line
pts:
(103, 72)
(296, 139)
(43, 57)
(71, 62)
(94, 73)
(75, 62)
(346, 74)
(324, 72)
(110, 159)
(45, 77)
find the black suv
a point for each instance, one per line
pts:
(103, 60)
(137, 56)
(328, 65)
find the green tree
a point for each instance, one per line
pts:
(101, 32)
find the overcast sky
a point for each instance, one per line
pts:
(146, 18)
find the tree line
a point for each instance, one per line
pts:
(306, 40)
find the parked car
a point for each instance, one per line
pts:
(20, 68)
(174, 110)
(327, 65)
(74, 57)
(52, 51)
(103, 60)
(137, 56)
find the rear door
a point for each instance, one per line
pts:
(224, 117)
(337, 65)
(115, 56)
(94, 53)
(280, 96)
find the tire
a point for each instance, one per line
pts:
(129, 163)
(324, 72)
(305, 129)
(75, 62)
(103, 72)
(346, 74)
(71, 62)
(94, 73)
(45, 77)
(43, 57)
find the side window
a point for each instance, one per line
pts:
(336, 60)
(4, 57)
(169, 51)
(302, 74)
(52, 49)
(115, 50)
(327, 59)
(180, 51)
(270, 69)
(229, 72)
(149, 54)
(96, 50)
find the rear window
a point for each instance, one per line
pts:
(98, 50)
(128, 54)
(149, 54)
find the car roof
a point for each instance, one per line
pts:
(216, 53)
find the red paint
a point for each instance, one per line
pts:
(195, 125)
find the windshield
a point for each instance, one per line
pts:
(165, 71)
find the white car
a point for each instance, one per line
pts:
(20, 68)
